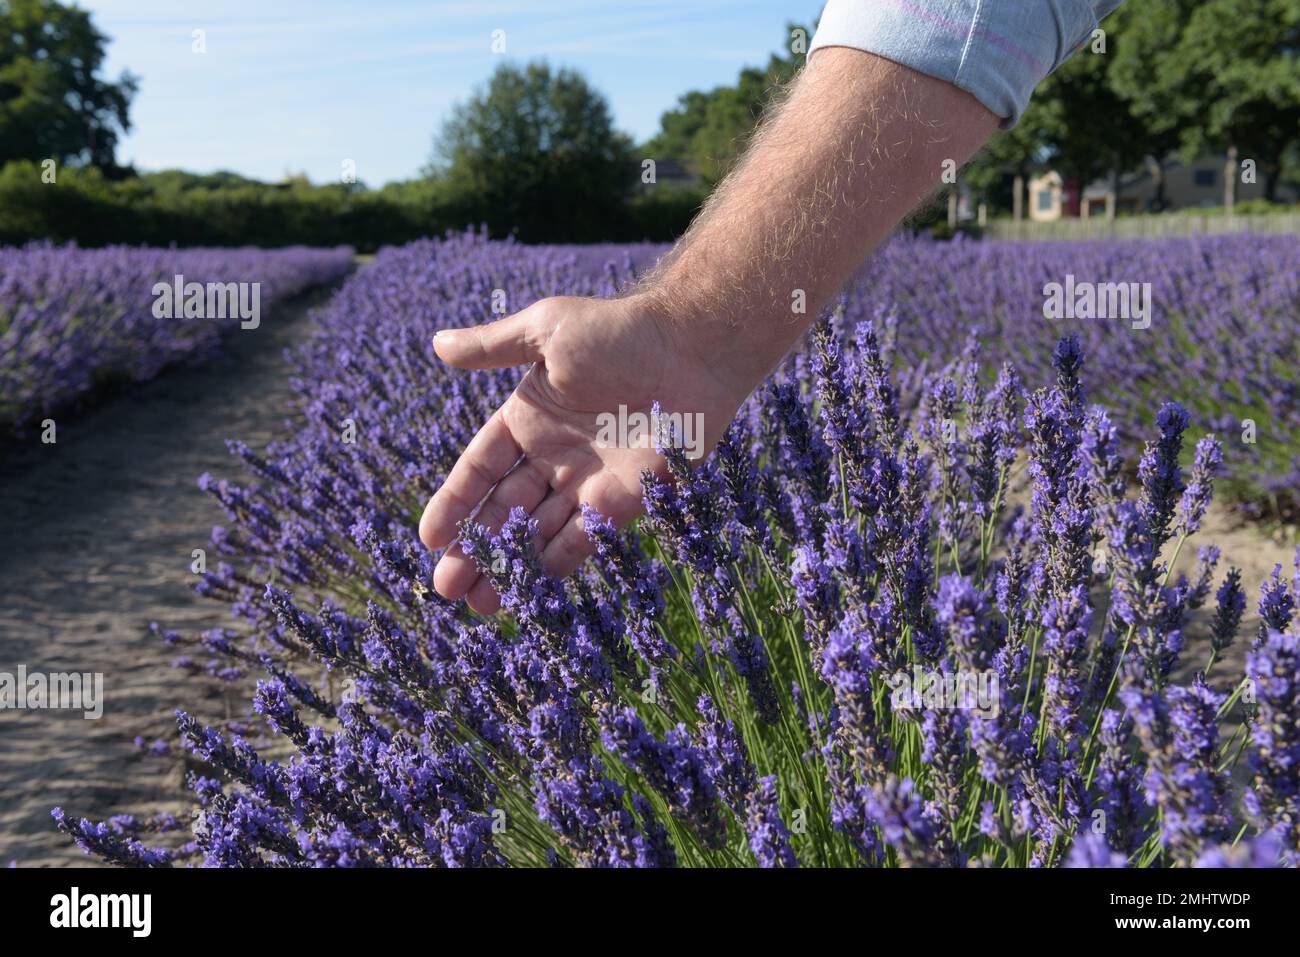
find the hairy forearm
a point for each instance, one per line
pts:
(858, 142)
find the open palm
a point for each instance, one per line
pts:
(543, 450)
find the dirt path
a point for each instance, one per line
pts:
(1247, 548)
(97, 531)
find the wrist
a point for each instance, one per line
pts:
(737, 348)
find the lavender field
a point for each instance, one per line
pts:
(1221, 340)
(74, 322)
(765, 670)
(1222, 334)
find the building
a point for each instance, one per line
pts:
(671, 172)
(1186, 185)
(1051, 197)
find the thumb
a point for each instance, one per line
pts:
(512, 341)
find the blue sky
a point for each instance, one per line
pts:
(301, 85)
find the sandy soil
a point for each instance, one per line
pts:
(97, 532)
(1255, 553)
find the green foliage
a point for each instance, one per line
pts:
(1088, 128)
(1077, 123)
(175, 207)
(225, 209)
(1198, 76)
(1218, 74)
(537, 153)
(710, 130)
(660, 214)
(1251, 207)
(53, 104)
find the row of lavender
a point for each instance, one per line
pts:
(723, 686)
(1219, 331)
(74, 320)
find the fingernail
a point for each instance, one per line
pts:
(445, 333)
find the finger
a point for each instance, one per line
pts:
(567, 550)
(512, 341)
(551, 516)
(490, 455)
(483, 598)
(604, 492)
(525, 487)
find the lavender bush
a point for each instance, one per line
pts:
(73, 320)
(1224, 310)
(1222, 338)
(833, 643)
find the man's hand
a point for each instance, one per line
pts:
(857, 144)
(541, 450)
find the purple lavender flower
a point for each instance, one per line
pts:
(1160, 475)
(1067, 357)
(1276, 605)
(769, 838)
(1230, 605)
(1091, 850)
(1274, 756)
(674, 767)
(1263, 850)
(848, 529)
(100, 839)
(1118, 785)
(638, 584)
(908, 829)
(726, 760)
(73, 319)
(881, 399)
(1196, 496)
(1179, 734)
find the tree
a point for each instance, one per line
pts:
(1090, 129)
(710, 130)
(1080, 121)
(536, 154)
(53, 103)
(1223, 73)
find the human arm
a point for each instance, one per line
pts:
(858, 142)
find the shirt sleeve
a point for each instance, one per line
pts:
(996, 50)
